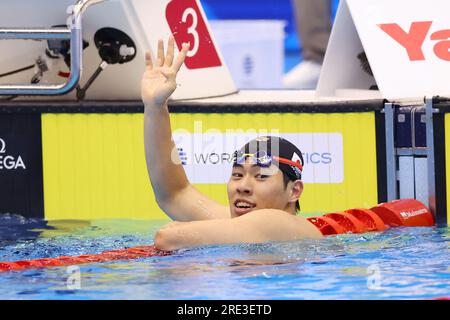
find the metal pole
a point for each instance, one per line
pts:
(430, 156)
(44, 34)
(391, 167)
(74, 33)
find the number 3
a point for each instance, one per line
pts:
(192, 30)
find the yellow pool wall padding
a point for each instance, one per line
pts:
(94, 164)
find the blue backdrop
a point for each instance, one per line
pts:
(263, 9)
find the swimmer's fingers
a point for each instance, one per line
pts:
(160, 61)
(148, 61)
(170, 52)
(180, 58)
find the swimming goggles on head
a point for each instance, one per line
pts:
(263, 159)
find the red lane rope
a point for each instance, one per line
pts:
(122, 254)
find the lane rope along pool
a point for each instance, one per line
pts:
(398, 213)
(122, 254)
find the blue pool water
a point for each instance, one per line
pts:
(404, 263)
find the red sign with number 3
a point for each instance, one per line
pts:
(187, 25)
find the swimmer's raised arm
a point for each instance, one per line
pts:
(173, 192)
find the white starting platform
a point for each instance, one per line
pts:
(133, 26)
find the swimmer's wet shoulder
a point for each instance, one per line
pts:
(259, 226)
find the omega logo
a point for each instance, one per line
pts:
(9, 162)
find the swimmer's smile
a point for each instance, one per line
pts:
(243, 206)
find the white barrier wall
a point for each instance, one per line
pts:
(253, 51)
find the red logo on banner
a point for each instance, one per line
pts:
(413, 40)
(187, 25)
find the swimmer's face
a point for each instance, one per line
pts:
(252, 187)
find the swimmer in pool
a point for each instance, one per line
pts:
(263, 190)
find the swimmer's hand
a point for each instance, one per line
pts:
(159, 79)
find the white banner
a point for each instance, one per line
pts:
(207, 157)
